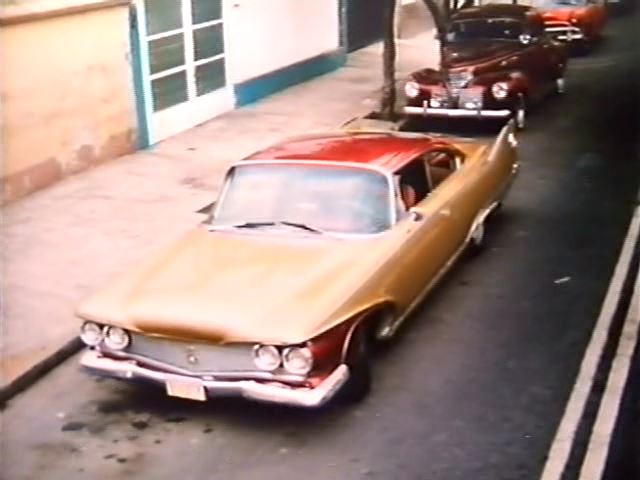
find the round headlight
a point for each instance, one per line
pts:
(91, 334)
(266, 357)
(500, 90)
(297, 360)
(411, 89)
(116, 338)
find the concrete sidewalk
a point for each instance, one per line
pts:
(60, 244)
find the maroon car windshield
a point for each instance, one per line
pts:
(484, 29)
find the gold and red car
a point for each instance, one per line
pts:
(315, 248)
(577, 22)
(497, 61)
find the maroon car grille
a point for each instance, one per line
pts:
(458, 80)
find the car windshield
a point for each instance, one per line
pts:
(486, 28)
(317, 198)
(551, 4)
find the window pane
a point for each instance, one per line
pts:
(210, 76)
(166, 53)
(205, 10)
(169, 90)
(208, 42)
(163, 15)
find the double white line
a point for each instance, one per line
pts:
(597, 451)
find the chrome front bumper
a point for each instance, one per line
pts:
(272, 392)
(457, 112)
(566, 34)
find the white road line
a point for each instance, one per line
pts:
(598, 449)
(563, 440)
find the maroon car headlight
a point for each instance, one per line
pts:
(91, 334)
(500, 90)
(297, 360)
(412, 89)
(116, 338)
(266, 357)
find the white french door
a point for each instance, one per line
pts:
(185, 79)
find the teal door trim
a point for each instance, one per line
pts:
(141, 73)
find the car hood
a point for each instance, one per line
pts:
(462, 54)
(560, 14)
(235, 287)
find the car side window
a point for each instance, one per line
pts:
(439, 165)
(413, 184)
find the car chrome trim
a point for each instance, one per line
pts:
(156, 364)
(253, 390)
(565, 32)
(457, 112)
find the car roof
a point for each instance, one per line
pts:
(494, 10)
(386, 150)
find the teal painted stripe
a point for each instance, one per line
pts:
(264, 85)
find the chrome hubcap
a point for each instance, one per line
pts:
(520, 117)
(478, 234)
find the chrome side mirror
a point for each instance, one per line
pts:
(415, 216)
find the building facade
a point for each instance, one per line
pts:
(196, 59)
(66, 96)
(84, 81)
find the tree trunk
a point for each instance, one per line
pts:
(440, 22)
(388, 101)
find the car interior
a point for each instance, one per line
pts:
(421, 176)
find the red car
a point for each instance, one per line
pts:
(578, 22)
(497, 61)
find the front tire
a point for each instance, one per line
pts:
(520, 113)
(359, 362)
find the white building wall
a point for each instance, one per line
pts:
(265, 35)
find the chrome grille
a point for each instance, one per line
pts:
(193, 356)
(458, 80)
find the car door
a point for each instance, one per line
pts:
(431, 236)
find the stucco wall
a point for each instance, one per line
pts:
(268, 35)
(66, 93)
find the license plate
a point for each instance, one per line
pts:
(190, 388)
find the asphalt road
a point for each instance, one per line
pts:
(475, 385)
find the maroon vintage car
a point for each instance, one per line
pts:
(497, 61)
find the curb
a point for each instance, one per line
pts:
(39, 370)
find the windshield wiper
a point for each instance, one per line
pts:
(301, 226)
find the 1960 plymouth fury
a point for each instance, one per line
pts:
(316, 248)
(497, 61)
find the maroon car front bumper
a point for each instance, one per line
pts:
(427, 111)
